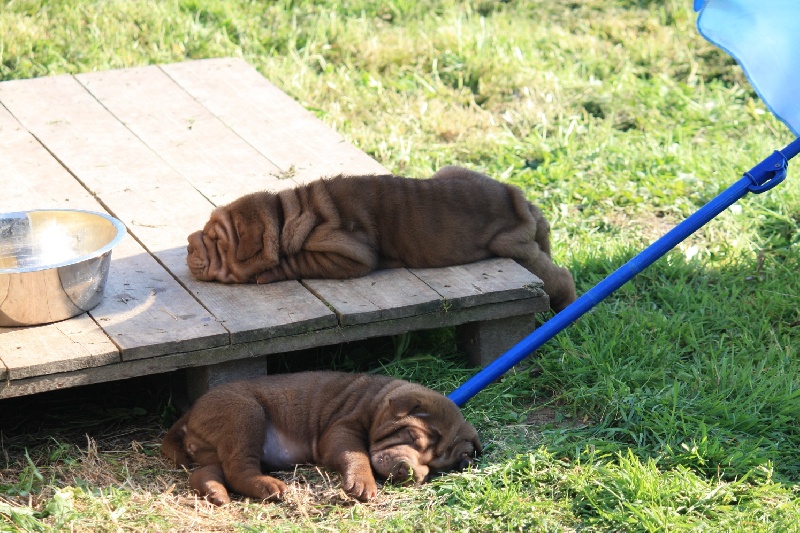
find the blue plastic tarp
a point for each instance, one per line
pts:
(764, 38)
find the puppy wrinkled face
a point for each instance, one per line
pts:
(207, 250)
(415, 446)
(197, 257)
(459, 454)
(239, 241)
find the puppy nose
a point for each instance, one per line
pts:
(466, 460)
(401, 472)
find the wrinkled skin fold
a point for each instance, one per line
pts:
(347, 226)
(362, 426)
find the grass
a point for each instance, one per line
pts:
(673, 405)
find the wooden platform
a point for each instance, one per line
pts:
(158, 147)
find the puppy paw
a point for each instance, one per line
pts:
(268, 488)
(218, 497)
(209, 482)
(360, 487)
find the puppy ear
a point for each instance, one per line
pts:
(249, 237)
(407, 405)
(402, 406)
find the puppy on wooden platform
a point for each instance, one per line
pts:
(351, 423)
(348, 226)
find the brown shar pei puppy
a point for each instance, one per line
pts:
(352, 423)
(347, 226)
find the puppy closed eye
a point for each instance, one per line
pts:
(418, 438)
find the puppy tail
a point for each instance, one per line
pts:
(172, 446)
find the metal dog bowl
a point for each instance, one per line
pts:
(53, 263)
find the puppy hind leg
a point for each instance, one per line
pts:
(241, 455)
(561, 283)
(209, 482)
(172, 446)
(558, 282)
(542, 236)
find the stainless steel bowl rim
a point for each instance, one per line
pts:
(119, 227)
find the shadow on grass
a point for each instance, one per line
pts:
(690, 369)
(691, 365)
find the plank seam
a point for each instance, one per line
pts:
(444, 303)
(8, 372)
(285, 173)
(327, 304)
(110, 211)
(144, 143)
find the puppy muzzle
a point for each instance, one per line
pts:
(197, 256)
(465, 463)
(400, 470)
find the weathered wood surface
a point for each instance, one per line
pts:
(158, 148)
(144, 310)
(160, 208)
(291, 137)
(391, 294)
(290, 343)
(381, 295)
(485, 340)
(61, 347)
(52, 348)
(36, 181)
(194, 142)
(481, 283)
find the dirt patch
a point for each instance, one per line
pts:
(547, 415)
(648, 226)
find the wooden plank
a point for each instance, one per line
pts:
(486, 340)
(168, 363)
(200, 379)
(29, 182)
(139, 293)
(272, 122)
(108, 159)
(147, 313)
(253, 312)
(381, 295)
(195, 143)
(141, 299)
(147, 205)
(483, 282)
(139, 182)
(53, 348)
(222, 167)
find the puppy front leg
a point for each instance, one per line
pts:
(345, 450)
(316, 265)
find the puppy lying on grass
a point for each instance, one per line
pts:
(347, 226)
(351, 423)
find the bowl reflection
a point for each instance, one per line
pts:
(53, 263)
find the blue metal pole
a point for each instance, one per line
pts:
(760, 178)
